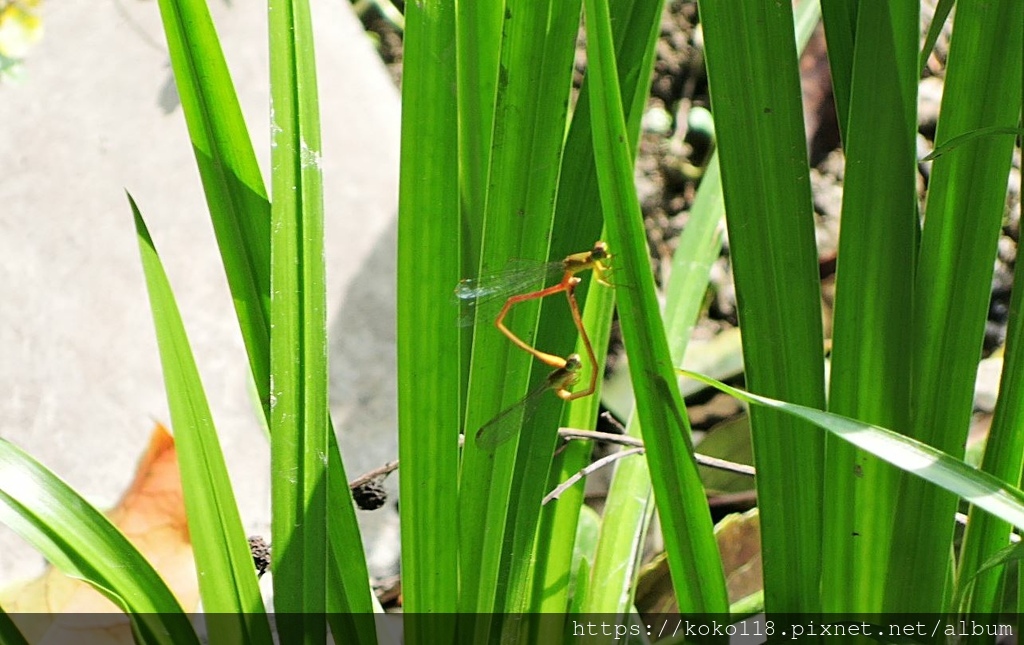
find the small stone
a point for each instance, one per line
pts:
(929, 100)
(657, 120)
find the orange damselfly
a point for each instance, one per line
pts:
(519, 283)
(503, 426)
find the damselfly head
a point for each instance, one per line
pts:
(573, 363)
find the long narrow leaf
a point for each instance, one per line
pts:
(686, 523)
(755, 95)
(871, 338)
(240, 213)
(840, 20)
(497, 527)
(967, 189)
(912, 456)
(428, 363)
(1004, 450)
(557, 531)
(578, 217)
(224, 568)
(227, 166)
(478, 34)
(81, 542)
(942, 9)
(636, 29)
(535, 450)
(298, 340)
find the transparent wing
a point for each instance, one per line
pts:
(488, 292)
(510, 420)
(502, 427)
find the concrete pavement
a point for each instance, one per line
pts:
(97, 114)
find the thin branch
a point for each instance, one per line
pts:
(636, 445)
(368, 477)
(597, 465)
(610, 418)
(626, 440)
(594, 435)
(961, 519)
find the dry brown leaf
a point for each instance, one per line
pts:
(739, 541)
(654, 592)
(151, 514)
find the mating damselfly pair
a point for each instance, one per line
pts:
(515, 284)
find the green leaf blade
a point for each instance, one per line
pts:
(224, 567)
(954, 273)
(81, 542)
(755, 94)
(871, 339)
(240, 212)
(429, 380)
(235, 193)
(987, 534)
(912, 456)
(578, 217)
(693, 555)
(505, 488)
(298, 340)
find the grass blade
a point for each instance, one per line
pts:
(534, 455)
(234, 188)
(499, 526)
(755, 94)
(578, 216)
(967, 189)
(240, 213)
(428, 364)
(693, 555)
(478, 35)
(699, 245)
(298, 343)
(80, 541)
(1003, 458)
(909, 455)
(871, 339)
(942, 9)
(962, 224)
(558, 527)
(227, 579)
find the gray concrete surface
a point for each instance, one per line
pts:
(80, 373)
